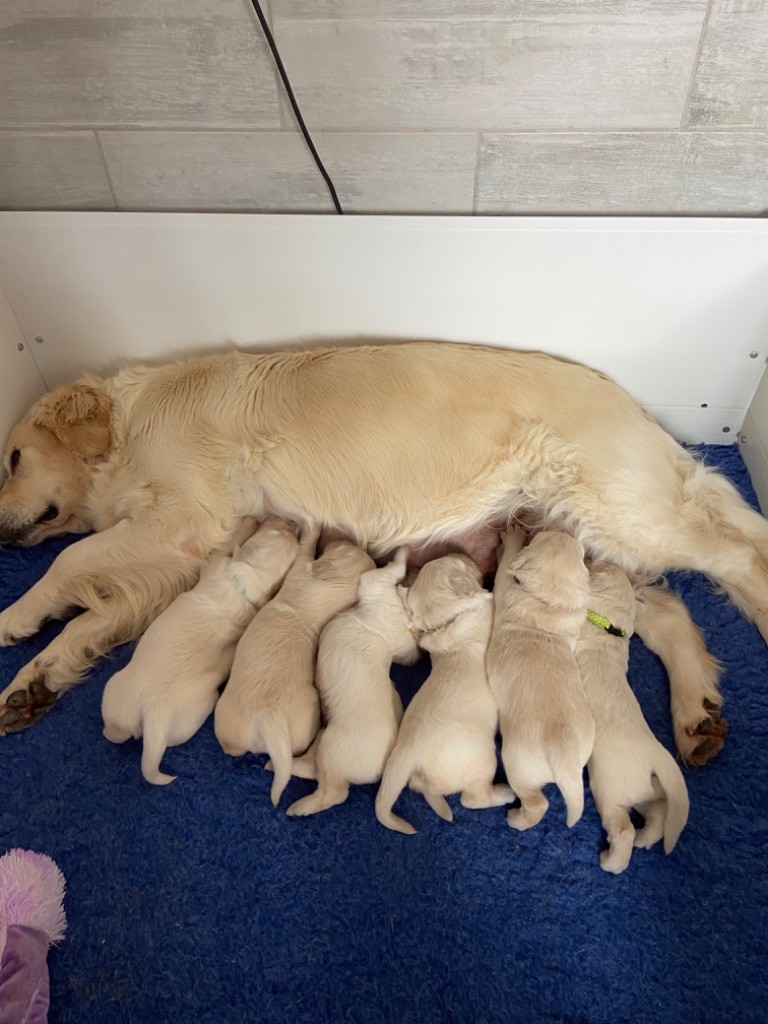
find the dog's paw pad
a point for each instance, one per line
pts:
(25, 707)
(706, 739)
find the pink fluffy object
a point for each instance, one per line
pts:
(32, 894)
(31, 918)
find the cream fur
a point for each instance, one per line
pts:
(446, 742)
(170, 685)
(393, 444)
(628, 767)
(361, 707)
(547, 731)
(270, 704)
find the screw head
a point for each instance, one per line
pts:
(40, 341)
(753, 355)
(20, 346)
(743, 438)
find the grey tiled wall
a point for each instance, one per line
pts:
(417, 106)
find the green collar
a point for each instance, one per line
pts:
(603, 623)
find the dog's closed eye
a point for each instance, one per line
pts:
(14, 459)
(516, 579)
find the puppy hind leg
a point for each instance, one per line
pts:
(305, 766)
(654, 812)
(328, 794)
(621, 835)
(116, 733)
(439, 804)
(533, 807)
(477, 797)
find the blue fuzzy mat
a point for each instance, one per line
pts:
(197, 903)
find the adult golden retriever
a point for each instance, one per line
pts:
(392, 444)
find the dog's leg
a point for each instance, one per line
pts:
(439, 804)
(304, 766)
(115, 733)
(137, 597)
(621, 835)
(481, 795)
(654, 812)
(533, 807)
(119, 563)
(328, 794)
(666, 628)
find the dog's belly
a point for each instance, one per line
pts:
(480, 543)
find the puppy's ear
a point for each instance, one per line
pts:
(78, 415)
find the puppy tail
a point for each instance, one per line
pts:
(567, 773)
(155, 742)
(673, 784)
(277, 741)
(393, 782)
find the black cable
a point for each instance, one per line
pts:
(295, 105)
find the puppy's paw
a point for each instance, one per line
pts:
(699, 741)
(25, 706)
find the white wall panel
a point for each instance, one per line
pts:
(670, 308)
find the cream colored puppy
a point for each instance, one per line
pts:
(446, 742)
(361, 707)
(628, 767)
(270, 704)
(170, 685)
(547, 730)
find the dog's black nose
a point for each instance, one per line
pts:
(50, 513)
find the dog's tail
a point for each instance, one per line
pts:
(568, 775)
(155, 742)
(394, 780)
(673, 784)
(277, 743)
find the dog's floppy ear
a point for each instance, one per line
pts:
(78, 415)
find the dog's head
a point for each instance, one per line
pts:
(273, 544)
(444, 588)
(552, 570)
(49, 458)
(341, 561)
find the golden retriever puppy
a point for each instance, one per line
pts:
(361, 707)
(170, 685)
(270, 704)
(547, 731)
(446, 742)
(628, 767)
(398, 444)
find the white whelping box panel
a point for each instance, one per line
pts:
(674, 309)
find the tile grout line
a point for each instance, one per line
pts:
(106, 170)
(685, 115)
(276, 129)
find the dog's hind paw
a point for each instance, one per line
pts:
(702, 740)
(23, 708)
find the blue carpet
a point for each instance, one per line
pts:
(198, 904)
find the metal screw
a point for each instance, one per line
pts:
(20, 347)
(726, 430)
(743, 438)
(40, 341)
(753, 355)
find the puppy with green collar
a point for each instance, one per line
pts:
(628, 767)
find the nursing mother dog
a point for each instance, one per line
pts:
(395, 444)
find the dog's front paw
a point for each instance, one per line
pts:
(700, 740)
(15, 627)
(25, 706)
